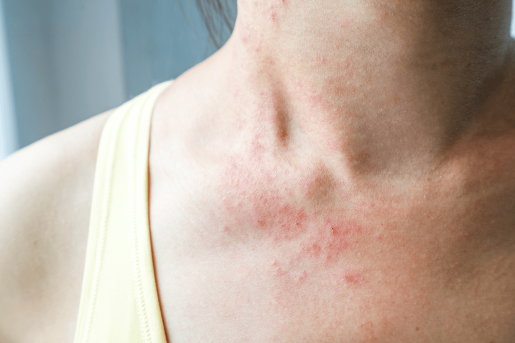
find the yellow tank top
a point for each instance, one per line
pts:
(119, 300)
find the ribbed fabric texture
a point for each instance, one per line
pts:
(119, 300)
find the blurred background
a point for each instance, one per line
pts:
(64, 61)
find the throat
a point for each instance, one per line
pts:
(379, 89)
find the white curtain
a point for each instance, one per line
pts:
(8, 137)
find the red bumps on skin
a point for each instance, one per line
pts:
(283, 221)
(272, 13)
(327, 242)
(273, 16)
(349, 277)
(277, 270)
(302, 277)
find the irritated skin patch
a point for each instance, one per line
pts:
(292, 214)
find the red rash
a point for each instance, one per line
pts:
(351, 277)
(254, 206)
(327, 242)
(288, 210)
(273, 14)
(272, 10)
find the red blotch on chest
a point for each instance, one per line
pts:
(313, 234)
(326, 241)
(259, 203)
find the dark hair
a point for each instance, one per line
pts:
(218, 17)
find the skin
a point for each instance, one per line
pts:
(348, 198)
(341, 172)
(379, 88)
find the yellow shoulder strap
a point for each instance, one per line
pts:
(119, 300)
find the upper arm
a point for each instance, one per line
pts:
(45, 197)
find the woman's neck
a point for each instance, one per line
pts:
(379, 86)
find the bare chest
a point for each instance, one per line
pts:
(246, 256)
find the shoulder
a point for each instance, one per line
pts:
(45, 195)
